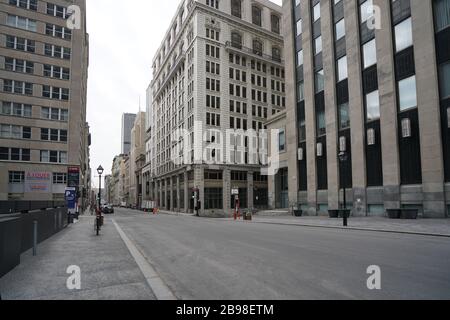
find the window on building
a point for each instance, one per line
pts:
(403, 35)
(340, 29)
(316, 12)
(366, 10)
(369, 54)
(256, 15)
(373, 106)
(211, 3)
(407, 93)
(25, 4)
(257, 47)
(444, 80)
(16, 177)
(282, 140)
(236, 8)
(321, 123)
(441, 14)
(213, 198)
(300, 58)
(275, 23)
(342, 68)
(299, 27)
(21, 23)
(276, 54)
(236, 40)
(300, 91)
(319, 81)
(59, 178)
(318, 45)
(344, 116)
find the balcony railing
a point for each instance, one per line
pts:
(253, 52)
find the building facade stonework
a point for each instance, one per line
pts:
(43, 86)
(219, 67)
(377, 89)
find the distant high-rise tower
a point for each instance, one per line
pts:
(127, 124)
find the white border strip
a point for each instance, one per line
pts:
(159, 288)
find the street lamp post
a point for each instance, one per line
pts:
(343, 157)
(100, 172)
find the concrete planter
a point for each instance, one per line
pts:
(334, 214)
(394, 213)
(347, 212)
(409, 214)
(298, 213)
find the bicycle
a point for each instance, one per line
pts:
(98, 223)
(97, 226)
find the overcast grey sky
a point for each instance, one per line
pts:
(123, 40)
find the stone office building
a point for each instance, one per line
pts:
(220, 65)
(44, 137)
(371, 79)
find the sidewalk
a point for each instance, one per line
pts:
(108, 271)
(173, 213)
(435, 227)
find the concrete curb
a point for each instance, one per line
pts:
(177, 213)
(156, 284)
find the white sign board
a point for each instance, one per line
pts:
(38, 182)
(234, 192)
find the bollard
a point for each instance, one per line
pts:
(35, 231)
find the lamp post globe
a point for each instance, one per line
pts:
(100, 170)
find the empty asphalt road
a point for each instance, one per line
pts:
(200, 258)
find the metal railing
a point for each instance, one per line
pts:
(11, 207)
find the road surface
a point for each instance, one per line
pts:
(199, 258)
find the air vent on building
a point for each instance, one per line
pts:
(406, 128)
(342, 144)
(319, 149)
(300, 154)
(371, 138)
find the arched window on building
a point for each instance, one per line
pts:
(275, 23)
(236, 8)
(256, 15)
(276, 54)
(213, 3)
(257, 47)
(236, 40)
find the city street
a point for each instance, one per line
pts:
(145, 256)
(220, 259)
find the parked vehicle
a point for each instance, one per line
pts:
(107, 209)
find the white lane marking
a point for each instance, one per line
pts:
(159, 288)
